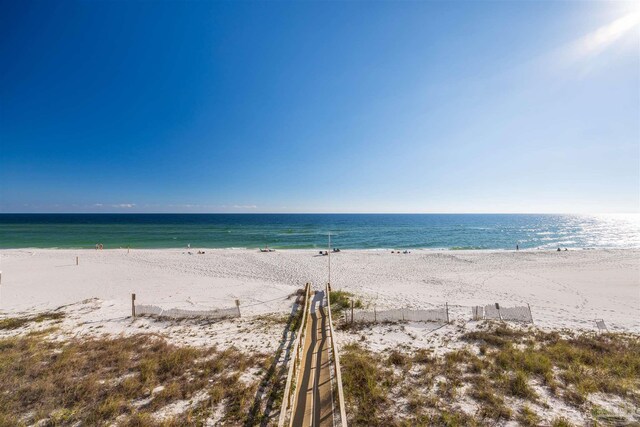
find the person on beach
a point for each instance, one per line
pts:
(517, 247)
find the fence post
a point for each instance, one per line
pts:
(238, 305)
(530, 315)
(498, 308)
(76, 260)
(133, 305)
(446, 305)
(352, 312)
(375, 316)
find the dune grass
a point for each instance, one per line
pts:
(570, 367)
(367, 386)
(494, 374)
(128, 379)
(341, 301)
(11, 323)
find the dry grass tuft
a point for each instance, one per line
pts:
(341, 300)
(98, 381)
(367, 384)
(496, 371)
(10, 323)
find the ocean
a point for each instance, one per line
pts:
(299, 231)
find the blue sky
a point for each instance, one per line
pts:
(319, 106)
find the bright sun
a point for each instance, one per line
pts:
(606, 35)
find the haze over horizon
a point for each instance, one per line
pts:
(267, 107)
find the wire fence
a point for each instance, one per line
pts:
(205, 310)
(496, 312)
(178, 313)
(181, 313)
(399, 315)
(440, 315)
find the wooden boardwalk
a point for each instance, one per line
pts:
(314, 403)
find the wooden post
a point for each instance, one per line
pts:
(530, 315)
(446, 305)
(352, 312)
(128, 247)
(375, 316)
(329, 254)
(76, 260)
(133, 305)
(238, 306)
(498, 308)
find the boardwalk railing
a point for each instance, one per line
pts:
(294, 362)
(336, 361)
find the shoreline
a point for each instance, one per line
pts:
(342, 249)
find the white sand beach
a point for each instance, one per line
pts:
(565, 289)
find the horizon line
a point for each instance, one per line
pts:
(320, 213)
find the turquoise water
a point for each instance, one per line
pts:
(360, 231)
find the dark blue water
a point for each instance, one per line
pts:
(361, 231)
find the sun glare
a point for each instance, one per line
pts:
(606, 35)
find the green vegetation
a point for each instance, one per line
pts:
(10, 323)
(341, 300)
(561, 422)
(496, 371)
(571, 367)
(527, 417)
(98, 381)
(367, 384)
(296, 319)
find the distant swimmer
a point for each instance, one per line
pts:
(558, 248)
